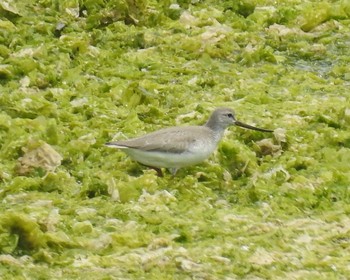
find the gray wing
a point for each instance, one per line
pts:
(171, 140)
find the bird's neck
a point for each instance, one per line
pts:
(217, 129)
(214, 125)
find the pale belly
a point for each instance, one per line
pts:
(170, 160)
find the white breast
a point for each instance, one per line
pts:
(196, 153)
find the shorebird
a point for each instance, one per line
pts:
(180, 146)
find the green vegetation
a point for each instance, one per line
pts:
(75, 74)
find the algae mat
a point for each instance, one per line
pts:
(76, 74)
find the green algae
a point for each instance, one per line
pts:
(263, 206)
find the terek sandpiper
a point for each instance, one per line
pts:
(176, 147)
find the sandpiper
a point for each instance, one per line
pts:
(176, 147)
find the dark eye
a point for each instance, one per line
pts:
(230, 116)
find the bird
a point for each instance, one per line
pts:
(181, 146)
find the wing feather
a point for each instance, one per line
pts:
(171, 140)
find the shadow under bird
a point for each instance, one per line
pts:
(176, 147)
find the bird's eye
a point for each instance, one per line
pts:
(230, 116)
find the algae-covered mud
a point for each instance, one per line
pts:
(75, 74)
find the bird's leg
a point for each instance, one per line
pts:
(159, 171)
(173, 171)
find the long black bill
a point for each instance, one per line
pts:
(238, 123)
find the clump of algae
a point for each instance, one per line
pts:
(21, 233)
(43, 156)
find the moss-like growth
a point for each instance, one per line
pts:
(75, 74)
